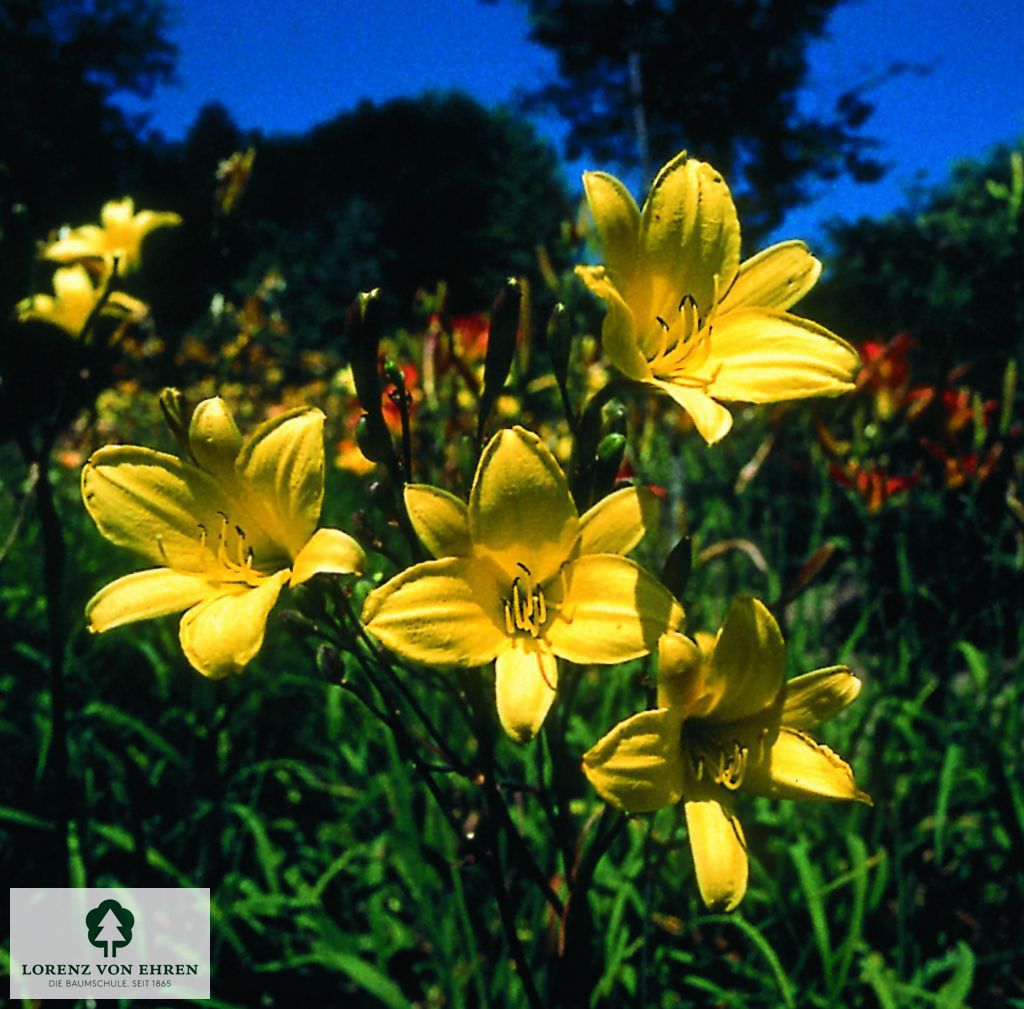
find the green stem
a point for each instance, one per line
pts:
(54, 563)
(588, 432)
(575, 975)
(495, 810)
(397, 684)
(570, 414)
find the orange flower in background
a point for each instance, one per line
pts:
(964, 406)
(873, 483)
(959, 470)
(885, 374)
(348, 455)
(455, 345)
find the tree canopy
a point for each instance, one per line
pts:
(638, 80)
(64, 143)
(946, 269)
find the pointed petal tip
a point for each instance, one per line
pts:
(328, 551)
(637, 765)
(526, 678)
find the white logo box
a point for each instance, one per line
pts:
(110, 942)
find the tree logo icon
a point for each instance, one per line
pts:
(110, 926)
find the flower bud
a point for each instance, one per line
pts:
(369, 440)
(615, 418)
(362, 331)
(329, 662)
(394, 374)
(676, 571)
(559, 336)
(175, 410)
(213, 436)
(608, 462)
(501, 346)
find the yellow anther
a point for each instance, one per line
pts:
(527, 609)
(517, 607)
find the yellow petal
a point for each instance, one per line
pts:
(526, 675)
(765, 355)
(680, 679)
(73, 283)
(143, 595)
(617, 218)
(618, 522)
(119, 304)
(748, 664)
(282, 462)
(43, 308)
(224, 633)
(711, 419)
(440, 519)
(619, 332)
(612, 610)
(798, 767)
(638, 765)
(117, 213)
(777, 277)
(520, 509)
(446, 612)
(76, 296)
(329, 552)
(154, 504)
(148, 220)
(689, 236)
(719, 849)
(705, 641)
(213, 437)
(815, 697)
(81, 243)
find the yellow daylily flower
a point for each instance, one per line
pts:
(120, 236)
(726, 721)
(685, 316)
(75, 298)
(520, 579)
(227, 530)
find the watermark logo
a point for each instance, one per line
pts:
(110, 943)
(110, 926)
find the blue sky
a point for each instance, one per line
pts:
(283, 66)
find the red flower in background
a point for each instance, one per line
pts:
(885, 374)
(873, 483)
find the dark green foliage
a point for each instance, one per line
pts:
(333, 872)
(949, 270)
(398, 196)
(717, 78)
(447, 191)
(65, 149)
(61, 62)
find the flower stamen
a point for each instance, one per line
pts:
(724, 763)
(527, 609)
(233, 559)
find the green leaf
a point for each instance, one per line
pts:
(365, 975)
